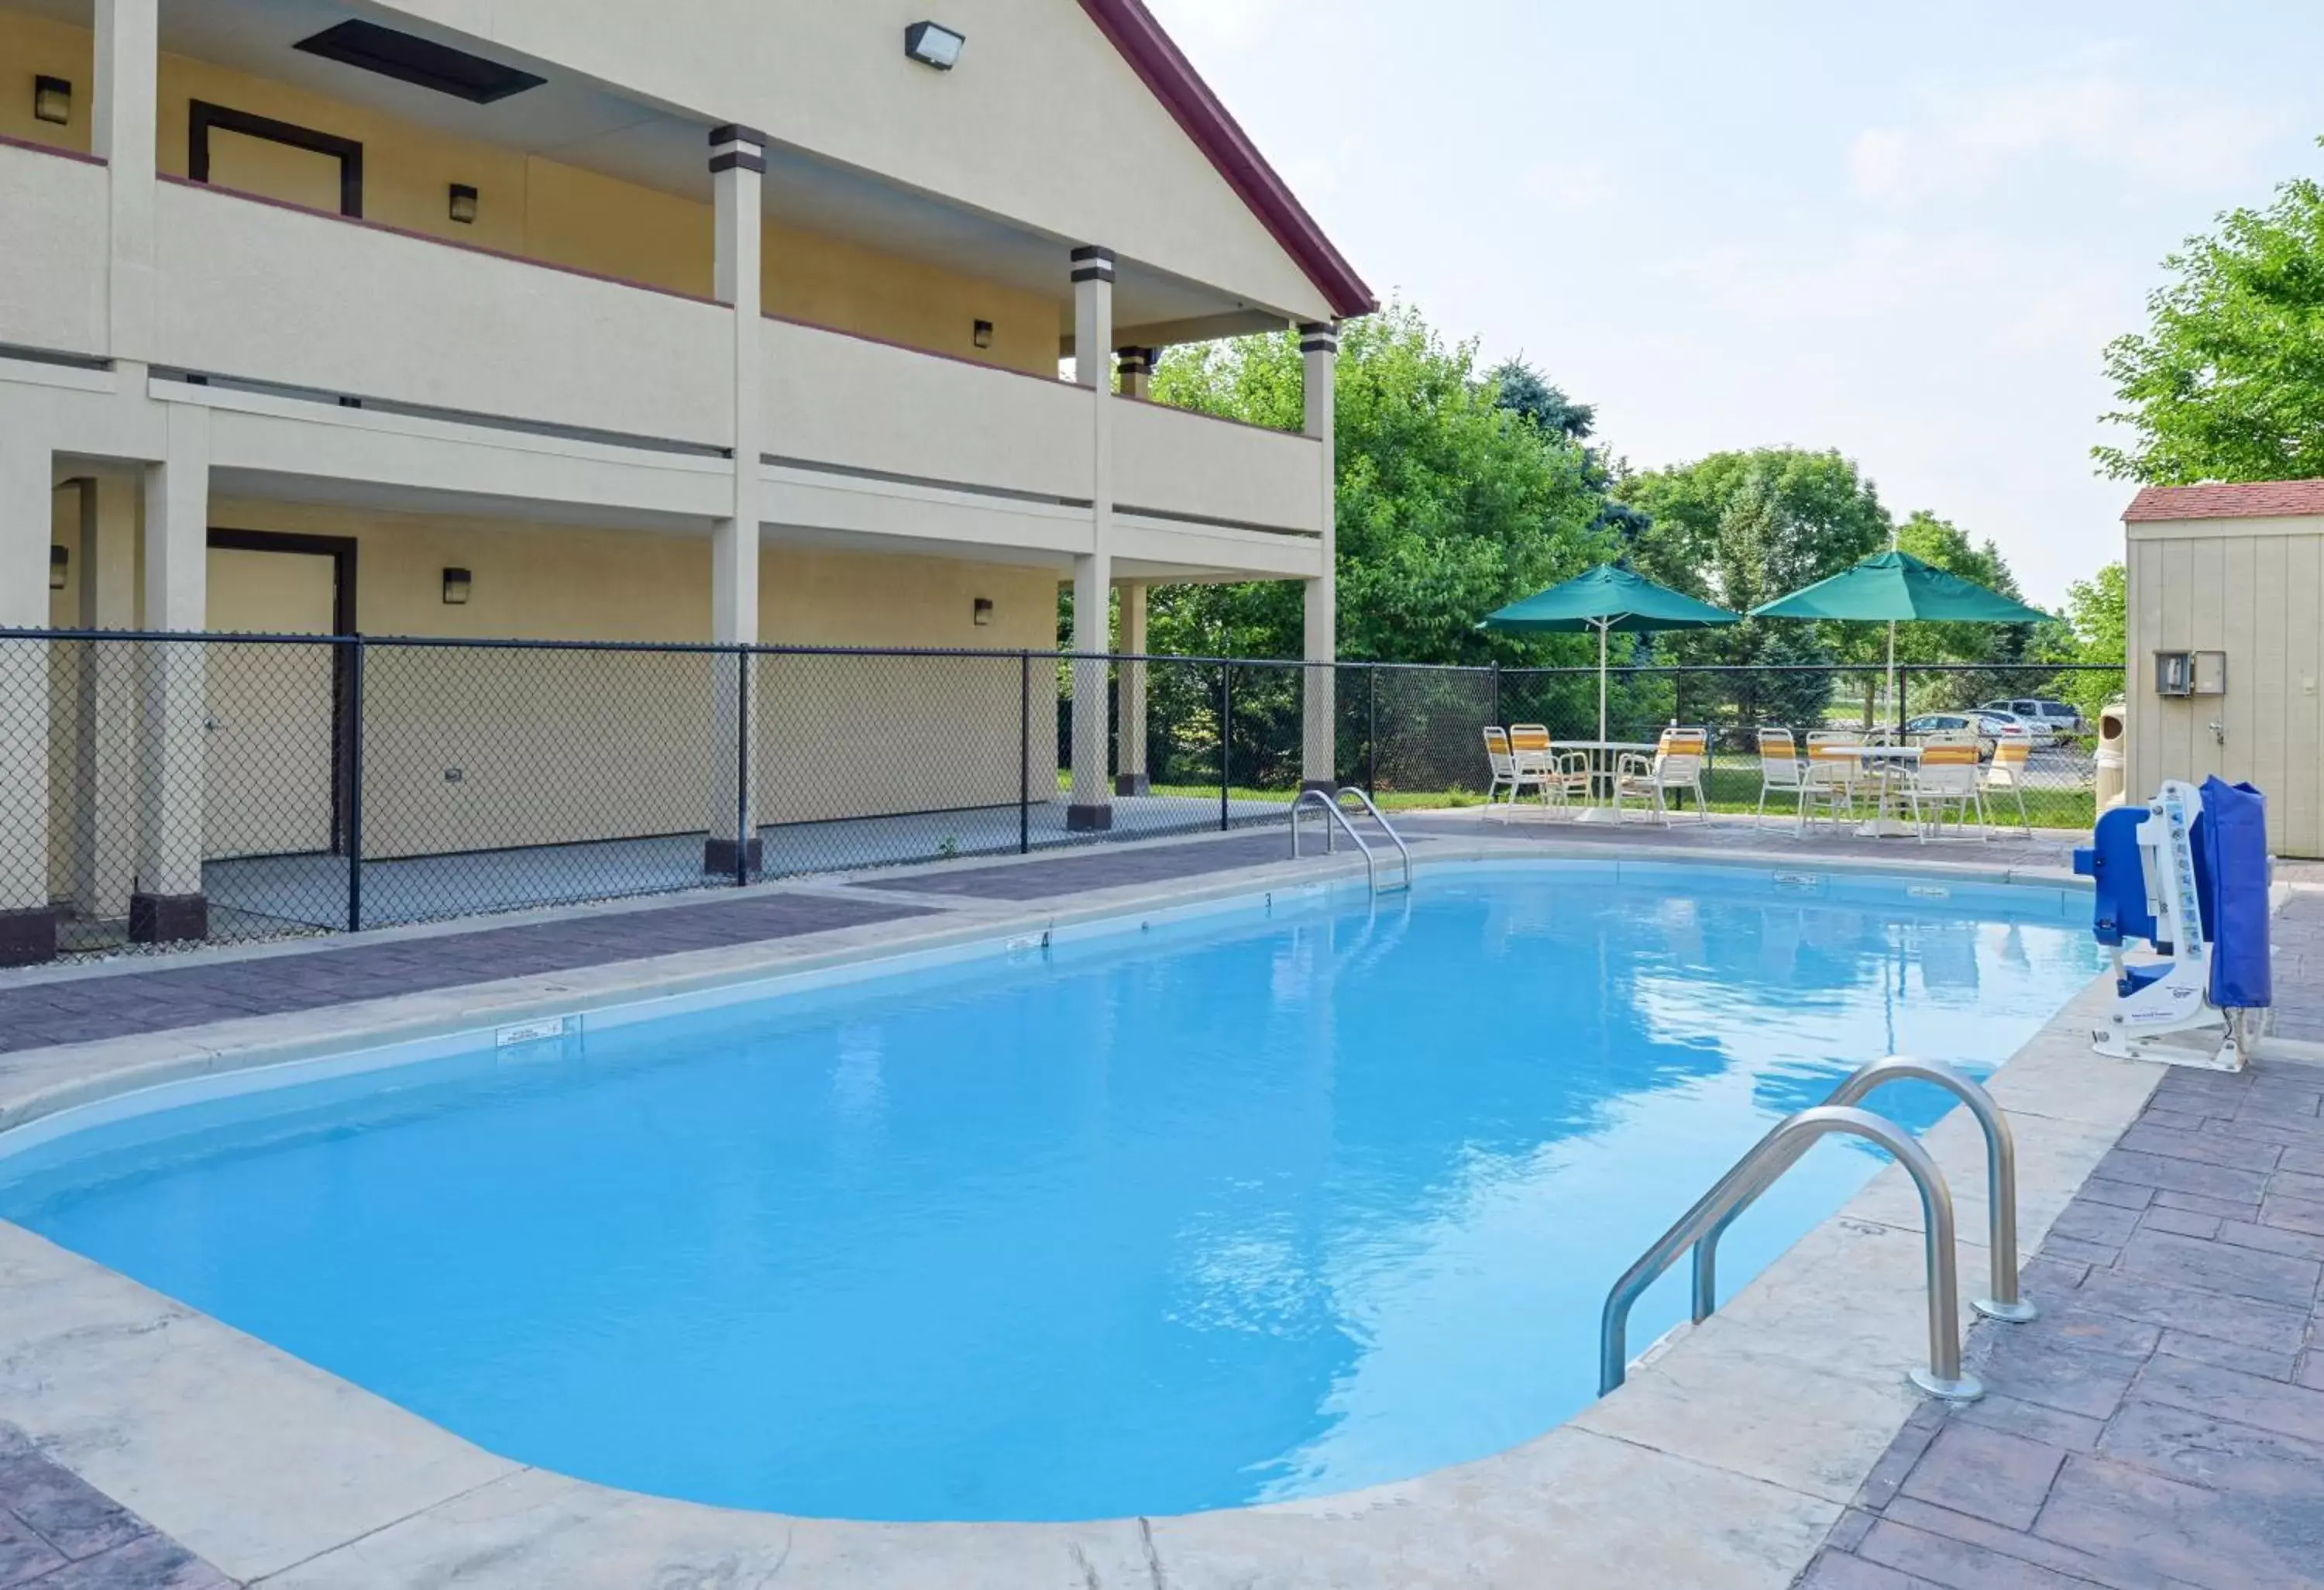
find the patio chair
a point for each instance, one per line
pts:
(1504, 766)
(2006, 775)
(1568, 771)
(1780, 772)
(1946, 780)
(1676, 767)
(1538, 767)
(1831, 777)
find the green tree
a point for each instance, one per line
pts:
(1449, 505)
(1518, 387)
(2227, 382)
(1741, 528)
(2095, 631)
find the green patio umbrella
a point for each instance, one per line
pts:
(1900, 589)
(1608, 598)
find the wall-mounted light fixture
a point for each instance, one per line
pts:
(51, 100)
(59, 561)
(984, 610)
(934, 44)
(457, 582)
(984, 334)
(464, 204)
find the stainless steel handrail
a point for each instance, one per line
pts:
(1752, 1175)
(1395, 838)
(1318, 798)
(1328, 801)
(2000, 1176)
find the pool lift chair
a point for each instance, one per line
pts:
(2187, 872)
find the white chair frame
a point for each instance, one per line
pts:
(1937, 788)
(1651, 780)
(2006, 774)
(1829, 782)
(1781, 771)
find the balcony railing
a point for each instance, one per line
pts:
(857, 403)
(52, 213)
(1173, 463)
(264, 292)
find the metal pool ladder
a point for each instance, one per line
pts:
(1702, 1226)
(1329, 801)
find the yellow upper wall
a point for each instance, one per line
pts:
(535, 208)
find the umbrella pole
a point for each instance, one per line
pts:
(1895, 708)
(1603, 626)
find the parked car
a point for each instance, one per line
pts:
(1990, 727)
(2062, 720)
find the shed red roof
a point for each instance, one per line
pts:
(2253, 499)
(1166, 70)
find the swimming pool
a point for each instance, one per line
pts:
(1268, 1204)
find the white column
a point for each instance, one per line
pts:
(123, 107)
(28, 921)
(1319, 347)
(738, 162)
(168, 904)
(1131, 777)
(1092, 806)
(105, 763)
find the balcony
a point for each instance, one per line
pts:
(1172, 464)
(853, 403)
(53, 210)
(321, 307)
(262, 291)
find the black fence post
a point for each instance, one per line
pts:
(1226, 741)
(1371, 735)
(1497, 690)
(1025, 752)
(742, 767)
(355, 764)
(1903, 679)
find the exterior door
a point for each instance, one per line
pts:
(271, 727)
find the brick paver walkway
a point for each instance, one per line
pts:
(34, 1015)
(2162, 1426)
(2299, 941)
(59, 1533)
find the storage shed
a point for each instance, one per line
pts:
(2225, 645)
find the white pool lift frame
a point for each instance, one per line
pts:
(2179, 1001)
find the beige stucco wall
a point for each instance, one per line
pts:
(52, 295)
(1043, 122)
(539, 208)
(2251, 588)
(553, 747)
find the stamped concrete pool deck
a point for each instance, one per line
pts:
(1759, 1446)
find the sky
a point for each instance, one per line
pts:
(1904, 232)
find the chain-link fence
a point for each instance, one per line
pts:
(160, 790)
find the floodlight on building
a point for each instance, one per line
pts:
(934, 44)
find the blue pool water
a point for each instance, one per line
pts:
(1258, 1207)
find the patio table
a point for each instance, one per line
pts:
(1603, 754)
(1884, 761)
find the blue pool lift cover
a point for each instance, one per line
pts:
(2231, 848)
(2231, 886)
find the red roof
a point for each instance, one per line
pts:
(2253, 499)
(1173, 81)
